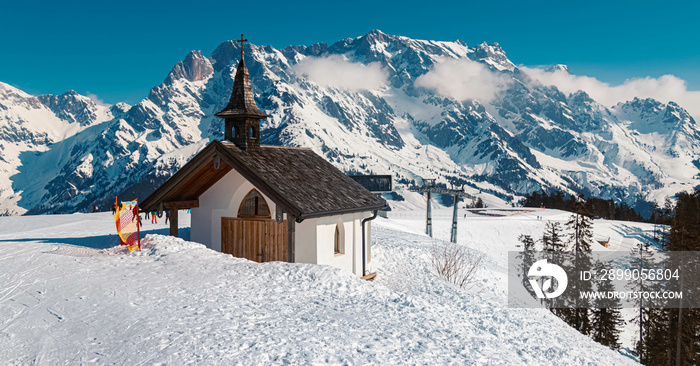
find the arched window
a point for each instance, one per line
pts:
(254, 205)
(252, 132)
(235, 131)
(338, 241)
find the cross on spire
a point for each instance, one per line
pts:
(241, 42)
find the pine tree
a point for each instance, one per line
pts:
(642, 258)
(654, 324)
(552, 237)
(655, 213)
(605, 326)
(551, 244)
(580, 227)
(606, 318)
(569, 307)
(528, 257)
(580, 238)
(684, 323)
(666, 219)
(657, 341)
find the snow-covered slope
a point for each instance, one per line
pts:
(30, 126)
(67, 296)
(378, 103)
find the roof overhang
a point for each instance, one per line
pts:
(201, 173)
(211, 164)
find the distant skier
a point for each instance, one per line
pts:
(154, 217)
(167, 216)
(114, 208)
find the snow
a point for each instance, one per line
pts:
(68, 295)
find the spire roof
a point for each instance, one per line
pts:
(242, 101)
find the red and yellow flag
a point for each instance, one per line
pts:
(128, 227)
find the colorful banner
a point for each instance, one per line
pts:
(126, 218)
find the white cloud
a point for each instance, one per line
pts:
(337, 72)
(665, 88)
(97, 100)
(464, 79)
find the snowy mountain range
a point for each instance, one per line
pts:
(378, 104)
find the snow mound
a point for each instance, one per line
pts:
(160, 245)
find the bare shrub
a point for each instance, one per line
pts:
(455, 264)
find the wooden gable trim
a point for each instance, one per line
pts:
(198, 182)
(258, 183)
(180, 205)
(152, 202)
(215, 148)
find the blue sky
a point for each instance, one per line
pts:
(119, 50)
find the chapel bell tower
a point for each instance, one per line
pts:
(242, 116)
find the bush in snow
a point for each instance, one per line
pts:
(454, 263)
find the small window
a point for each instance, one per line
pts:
(252, 132)
(339, 240)
(336, 242)
(235, 131)
(254, 205)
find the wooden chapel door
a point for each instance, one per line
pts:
(253, 234)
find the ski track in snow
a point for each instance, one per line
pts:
(177, 302)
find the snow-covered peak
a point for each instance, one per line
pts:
(493, 55)
(224, 53)
(558, 67)
(650, 115)
(12, 97)
(120, 107)
(376, 36)
(642, 106)
(75, 108)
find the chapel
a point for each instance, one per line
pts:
(269, 203)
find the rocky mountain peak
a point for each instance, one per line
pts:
(493, 55)
(558, 67)
(12, 97)
(224, 53)
(375, 35)
(119, 110)
(368, 48)
(194, 67)
(643, 106)
(72, 107)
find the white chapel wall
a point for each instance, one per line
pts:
(305, 237)
(351, 257)
(221, 200)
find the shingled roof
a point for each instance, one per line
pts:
(242, 101)
(301, 182)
